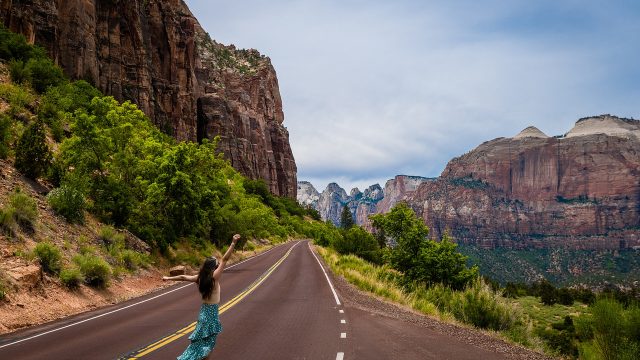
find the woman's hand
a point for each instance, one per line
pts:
(235, 239)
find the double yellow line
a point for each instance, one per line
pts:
(189, 328)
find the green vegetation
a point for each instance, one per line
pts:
(68, 202)
(346, 219)
(71, 277)
(419, 259)
(95, 270)
(596, 266)
(33, 156)
(49, 256)
(20, 211)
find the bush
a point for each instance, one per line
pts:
(359, 242)
(133, 260)
(614, 330)
(44, 74)
(71, 277)
(32, 153)
(68, 202)
(111, 236)
(95, 270)
(5, 135)
(7, 221)
(49, 256)
(20, 74)
(25, 209)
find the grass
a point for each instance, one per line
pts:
(542, 316)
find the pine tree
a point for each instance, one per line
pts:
(32, 153)
(346, 219)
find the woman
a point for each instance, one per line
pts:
(203, 338)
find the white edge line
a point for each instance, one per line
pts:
(335, 295)
(123, 308)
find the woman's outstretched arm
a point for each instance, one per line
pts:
(218, 272)
(192, 278)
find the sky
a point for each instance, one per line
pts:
(372, 89)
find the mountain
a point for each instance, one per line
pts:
(156, 54)
(373, 200)
(575, 196)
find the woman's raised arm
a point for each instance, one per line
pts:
(192, 278)
(218, 272)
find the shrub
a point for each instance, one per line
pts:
(71, 277)
(68, 202)
(49, 256)
(20, 74)
(133, 260)
(111, 236)
(32, 153)
(7, 220)
(5, 135)
(482, 307)
(44, 74)
(25, 209)
(359, 242)
(615, 330)
(95, 270)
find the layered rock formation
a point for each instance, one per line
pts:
(577, 191)
(399, 189)
(156, 54)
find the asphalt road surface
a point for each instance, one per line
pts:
(278, 305)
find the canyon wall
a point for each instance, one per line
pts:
(155, 54)
(580, 190)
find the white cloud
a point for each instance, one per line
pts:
(373, 89)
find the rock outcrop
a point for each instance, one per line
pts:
(307, 194)
(577, 191)
(156, 54)
(399, 189)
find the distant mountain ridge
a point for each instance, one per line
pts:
(373, 200)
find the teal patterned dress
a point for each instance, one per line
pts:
(203, 338)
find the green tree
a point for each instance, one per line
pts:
(420, 259)
(346, 218)
(33, 156)
(359, 242)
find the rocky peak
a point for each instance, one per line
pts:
(307, 195)
(607, 125)
(531, 132)
(355, 193)
(373, 193)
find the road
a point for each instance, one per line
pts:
(278, 305)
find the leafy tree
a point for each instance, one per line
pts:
(420, 259)
(346, 218)
(32, 153)
(359, 242)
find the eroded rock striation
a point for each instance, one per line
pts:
(156, 54)
(576, 191)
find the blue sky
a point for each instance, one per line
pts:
(372, 89)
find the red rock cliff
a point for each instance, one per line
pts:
(581, 190)
(155, 53)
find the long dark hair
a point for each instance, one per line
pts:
(206, 282)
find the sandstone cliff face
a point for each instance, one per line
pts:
(156, 54)
(399, 189)
(579, 191)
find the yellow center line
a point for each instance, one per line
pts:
(189, 328)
